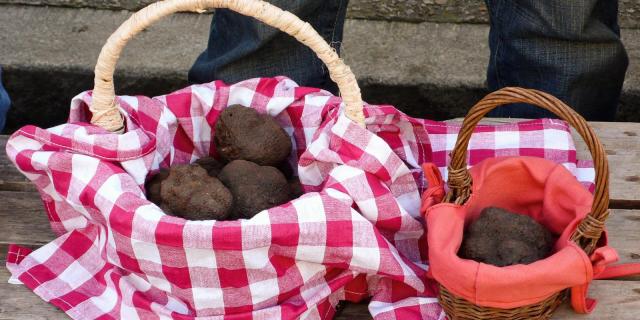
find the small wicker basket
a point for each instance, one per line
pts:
(586, 235)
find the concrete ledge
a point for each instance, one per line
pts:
(454, 11)
(48, 55)
(130, 5)
(450, 11)
(428, 70)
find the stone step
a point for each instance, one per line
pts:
(428, 70)
(449, 11)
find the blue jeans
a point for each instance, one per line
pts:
(4, 103)
(569, 48)
(240, 47)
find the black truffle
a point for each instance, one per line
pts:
(254, 188)
(296, 188)
(210, 164)
(153, 186)
(503, 238)
(243, 133)
(286, 169)
(189, 192)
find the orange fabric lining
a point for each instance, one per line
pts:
(533, 186)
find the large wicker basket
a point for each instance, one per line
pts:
(586, 235)
(104, 107)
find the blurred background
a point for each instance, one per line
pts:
(426, 57)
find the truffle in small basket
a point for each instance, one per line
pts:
(243, 133)
(254, 188)
(189, 192)
(503, 238)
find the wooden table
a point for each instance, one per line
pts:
(22, 221)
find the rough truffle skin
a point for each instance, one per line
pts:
(503, 238)
(210, 164)
(243, 133)
(189, 192)
(254, 188)
(153, 186)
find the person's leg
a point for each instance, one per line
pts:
(568, 48)
(240, 47)
(4, 103)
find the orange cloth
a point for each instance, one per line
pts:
(533, 186)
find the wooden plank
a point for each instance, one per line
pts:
(18, 302)
(618, 300)
(624, 181)
(10, 178)
(623, 227)
(25, 222)
(622, 144)
(621, 140)
(617, 137)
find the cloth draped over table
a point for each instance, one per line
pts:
(356, 233)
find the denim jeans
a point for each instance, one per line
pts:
(240, 47)
(569, 48)
(4, 103)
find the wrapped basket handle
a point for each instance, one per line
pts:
(104, 106)
(459, 181)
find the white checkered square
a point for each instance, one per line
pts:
(146, 251)
(205, 258)
(75, 275)
(308, 253)
(264, 290)
(310, 209)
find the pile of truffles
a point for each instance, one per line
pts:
(504, 238)
(251, 176)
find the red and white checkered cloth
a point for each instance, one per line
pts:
(356, 233)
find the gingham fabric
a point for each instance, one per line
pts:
(356, 233)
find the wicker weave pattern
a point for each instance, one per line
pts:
(460, 182)
(461, 309)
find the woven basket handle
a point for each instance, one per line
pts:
(104, 107)
(459, 180)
